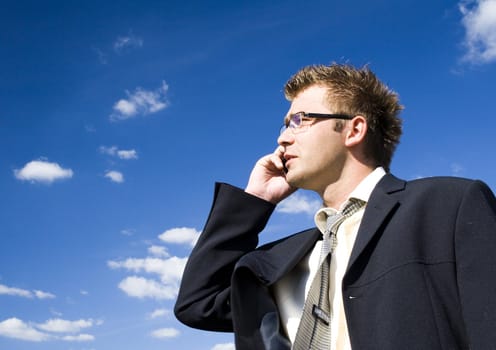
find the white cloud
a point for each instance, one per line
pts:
(479, 20)
(180, 235)
(115, 176)
(42, 171)
(116, 152)
(50, 330)
(165, 333)
(158, 251)
(140, 287)
(16, 328)
(299, 203)
(6, 290)
(226, 346)
(127, 42)
(58, 325)
(141, 102)
(158, 313)
(169, 270)
(126, 108)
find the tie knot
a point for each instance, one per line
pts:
(351, 207)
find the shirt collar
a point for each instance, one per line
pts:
(362, 192)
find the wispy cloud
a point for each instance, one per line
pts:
(120, 153)
(479, 20)
(299, 203)
(457, 169)
(127, 42)
(54, 329)
(42, 171)
(165, 333)
(78, 338)
(158, 313)
(15, 291)
(43, 295)
(102, 56)
(140, 103)
(55, 312)
(121, 45)
(5, 290)
(115, 176)
(127, 154)
(180, 235)
(89, 128)
(225, 346)
(128, 232)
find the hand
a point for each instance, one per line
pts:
(268, 178)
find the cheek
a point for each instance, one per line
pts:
(327, 153)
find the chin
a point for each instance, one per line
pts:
(294, 180)
(302, 181)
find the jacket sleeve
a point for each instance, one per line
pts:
(235, 220)
(475, 244)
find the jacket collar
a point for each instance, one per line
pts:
(274, 260)
(379, 208)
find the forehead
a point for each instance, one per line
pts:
(314, 97)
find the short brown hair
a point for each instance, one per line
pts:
(357, 91)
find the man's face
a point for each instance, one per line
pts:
(315, 155)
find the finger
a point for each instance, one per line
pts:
(276, 160)
(279, 152)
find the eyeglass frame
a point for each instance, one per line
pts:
(295, 127)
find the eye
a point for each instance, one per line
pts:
(295, 120)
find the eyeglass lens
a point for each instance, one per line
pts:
(295, 120)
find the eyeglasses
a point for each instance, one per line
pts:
(296, 122)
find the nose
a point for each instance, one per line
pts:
(285, 138)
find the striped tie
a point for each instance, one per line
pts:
(314, 331)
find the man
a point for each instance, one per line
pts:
(412, 267)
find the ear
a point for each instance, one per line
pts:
(355, 131)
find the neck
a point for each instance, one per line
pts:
(336, 193)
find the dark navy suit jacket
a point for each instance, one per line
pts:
(422, 272)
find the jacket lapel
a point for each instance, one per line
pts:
(380, 205)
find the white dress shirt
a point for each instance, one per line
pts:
(290, 292)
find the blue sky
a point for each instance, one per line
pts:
(116, 119)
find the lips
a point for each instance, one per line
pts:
(288, 158)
